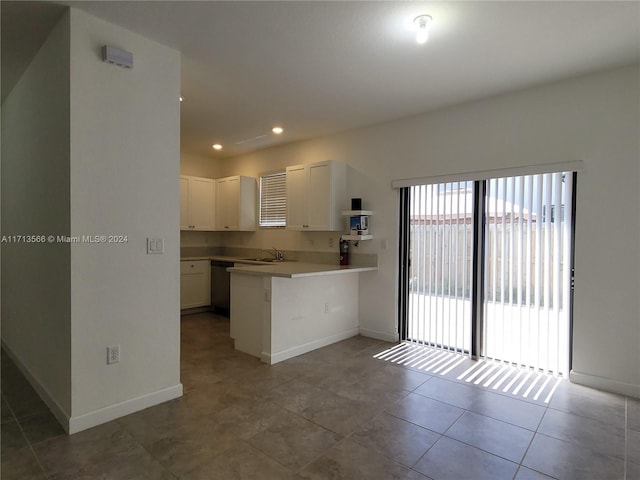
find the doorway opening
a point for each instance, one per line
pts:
(487, 269)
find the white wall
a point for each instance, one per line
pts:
(36, 290)
(199, 166)
(593, 118)
(124, 140)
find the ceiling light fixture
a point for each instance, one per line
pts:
(421, 24)
(181, 98)
(277, 130)
(217, 146)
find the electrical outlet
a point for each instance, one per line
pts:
(113, 354)
(332, 242)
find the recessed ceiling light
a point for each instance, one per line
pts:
(217, 146)
(421, 24)
(277, 130)
(181, 98)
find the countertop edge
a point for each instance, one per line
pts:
(248, 267)
(270, 271)
(223, 258)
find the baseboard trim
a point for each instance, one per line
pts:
(106, 414)
(272, 358)
(82, 422)
(60, 413)
(387, 337)
(606, 384)
(192, 310)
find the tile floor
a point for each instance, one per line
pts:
(336, 413)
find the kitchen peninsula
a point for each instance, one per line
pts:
(285, 309)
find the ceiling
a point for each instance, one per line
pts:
(320, 67)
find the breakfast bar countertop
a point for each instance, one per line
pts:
(298, 269)
(224, 258)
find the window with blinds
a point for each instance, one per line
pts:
(273, 200)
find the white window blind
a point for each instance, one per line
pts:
(526, 251)
(440, 279)
(528, 271)
(273, 200)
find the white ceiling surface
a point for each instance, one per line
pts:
(322, 67)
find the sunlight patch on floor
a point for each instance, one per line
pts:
(487, 374)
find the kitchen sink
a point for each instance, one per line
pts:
(266, 260)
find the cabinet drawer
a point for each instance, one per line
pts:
(196, 266)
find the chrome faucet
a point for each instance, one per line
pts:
(277, 254)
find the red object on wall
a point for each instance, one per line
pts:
(344, 252)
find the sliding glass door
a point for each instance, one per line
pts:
(487, 268)
(441, 242)
(528, 249)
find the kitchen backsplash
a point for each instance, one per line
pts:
(330, 258)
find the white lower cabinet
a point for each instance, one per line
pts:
(195, 283)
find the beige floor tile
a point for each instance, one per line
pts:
(240, 462)
(134, 464)
(293, 441)
(450, 459)
(493, 436)
(40, 427)
(21, 464)
(192, 445)
(633, 413)
(588, 402)
(65, 455)
(426, 412)
(508, 409)
(247, 419)
(6, 415)
(525, 473)
(349, 460)
(154, 423)
(568, 461)
(240, 418)
(600, 437)
(11, 438)
(633, 446)
(395, 438)
(334, 412)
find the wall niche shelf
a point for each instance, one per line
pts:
(356, 238)
(356, 213)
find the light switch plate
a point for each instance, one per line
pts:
(155, 245)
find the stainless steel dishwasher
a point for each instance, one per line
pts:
(220, 291)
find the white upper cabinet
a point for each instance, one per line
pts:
(297, 198)
(316, 195)
(236, 203)
(197, 197)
